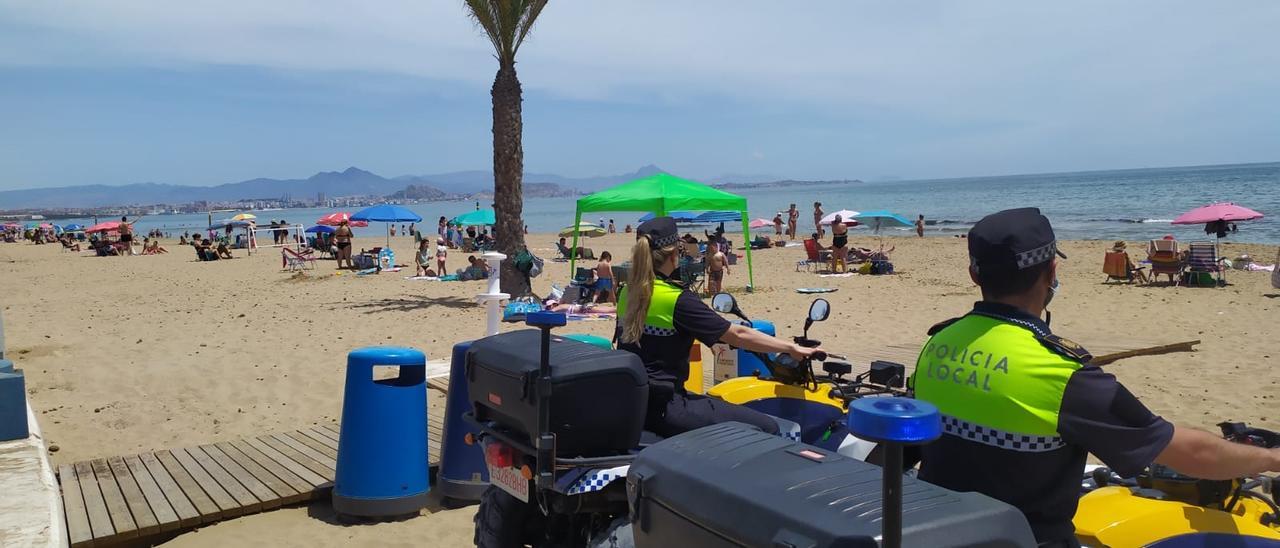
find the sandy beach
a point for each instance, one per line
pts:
(124, 355)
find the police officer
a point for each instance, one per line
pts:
(1021, 406)
(659, 321)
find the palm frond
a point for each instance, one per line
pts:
(505, 22)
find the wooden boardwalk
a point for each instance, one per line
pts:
(117, 499)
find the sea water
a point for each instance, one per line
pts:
(1133, 204)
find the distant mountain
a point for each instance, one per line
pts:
(739, 178)
(419, 192)
(352, 181)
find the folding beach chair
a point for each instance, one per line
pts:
(292, 260)
(1165, 259)
(812, 256)
(1116, 266)
(693, 274)
(1202, 258)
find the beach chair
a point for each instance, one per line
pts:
(1165, 259)
(813, 256)
(1115, 264)
(1202, 258)
(693, 274)
(293, 260)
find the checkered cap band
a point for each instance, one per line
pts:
(1012, 441)
(1041, 254)
(596, 480)
(663, 241)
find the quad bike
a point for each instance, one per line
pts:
(809, 407)
(555, 483)
(1162, 508)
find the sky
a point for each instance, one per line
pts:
(203, 92)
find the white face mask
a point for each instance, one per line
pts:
(1053, 292)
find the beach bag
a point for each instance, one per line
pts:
(518, 309)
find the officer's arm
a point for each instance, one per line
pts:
(1203, 455)
(742, 336)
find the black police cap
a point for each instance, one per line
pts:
(660, 230)
(1013, 239)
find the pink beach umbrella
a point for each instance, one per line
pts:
(109, 226)
(1222, 211)
(335, 219)
(761, 223)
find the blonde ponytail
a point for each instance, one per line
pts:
(640, 286)
(639, 291)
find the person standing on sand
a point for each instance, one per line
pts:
(920, 226)
(777, 225)
(604, 278)
(342, 238)
(839, 243)
(442, 228)
(717, 267)
(613, 229)
(442, 253)
(817, 218)
(126, 235)
(793, 219)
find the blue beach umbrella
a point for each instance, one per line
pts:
(679, 216)
(881, 219)
(387, 213)
(321, 229)
(73, 228)
(719, 217)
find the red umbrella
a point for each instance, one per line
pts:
(335, 219)
(109, 226)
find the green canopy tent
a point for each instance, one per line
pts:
(662, 194)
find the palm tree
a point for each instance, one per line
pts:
(507, 23)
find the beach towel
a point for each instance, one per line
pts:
(426, 278)
(808, 290)
(590, 317)
(840, 275)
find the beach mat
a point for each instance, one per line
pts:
(808, 290)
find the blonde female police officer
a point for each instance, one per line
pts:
(659, 321)
(1021, 406)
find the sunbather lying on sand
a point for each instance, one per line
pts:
(569, 308)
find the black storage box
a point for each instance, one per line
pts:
(598, 398)
(733, 485)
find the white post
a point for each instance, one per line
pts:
(493, 296)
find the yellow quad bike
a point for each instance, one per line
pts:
(1162, 508)
(814, 406)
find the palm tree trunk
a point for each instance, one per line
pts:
(508, 174)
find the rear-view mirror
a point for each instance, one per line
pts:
(819, 310)
(723, 303)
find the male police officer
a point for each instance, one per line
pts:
(1021, 406)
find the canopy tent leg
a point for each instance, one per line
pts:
(746, 233)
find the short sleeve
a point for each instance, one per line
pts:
(1102, 416)
(694, 317)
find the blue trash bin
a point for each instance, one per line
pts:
(13, 403)
(748, 364)
(463, 475)
(382, 448)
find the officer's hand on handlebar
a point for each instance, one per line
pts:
(799, 352)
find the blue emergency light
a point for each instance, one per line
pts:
(895, 420)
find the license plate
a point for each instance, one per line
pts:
(509, 480)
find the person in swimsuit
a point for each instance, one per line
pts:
(793, 219)
(422, 258)
(126, 236)
(839, 242)
(604, 278)
(342, 238)
(716, 267)
(777, 225)
(442, 253)
(817, 218)
(920, 226)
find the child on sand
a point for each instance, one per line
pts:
(604, 278)
(442, 253)
(717, 266)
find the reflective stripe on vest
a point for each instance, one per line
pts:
(659, 320)
(994, 379)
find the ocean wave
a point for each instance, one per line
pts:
(1126, 220)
